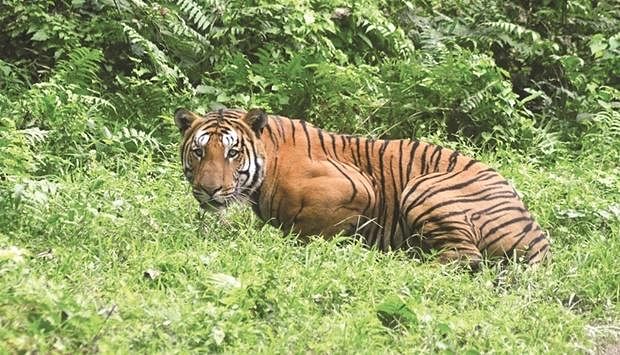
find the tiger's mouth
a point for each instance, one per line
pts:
(213, 204)
(218, 202)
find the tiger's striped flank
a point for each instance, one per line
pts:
(396, 194)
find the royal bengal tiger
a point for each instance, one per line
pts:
(395, 194)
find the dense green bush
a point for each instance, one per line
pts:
(92, 201)
(102, 77)
(501, 72)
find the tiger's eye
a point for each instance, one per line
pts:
(233, 153)
(197, 151)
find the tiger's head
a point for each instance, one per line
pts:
(222, 154)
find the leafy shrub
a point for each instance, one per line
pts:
(460, 90)
(533, 77)
(89, 176)
(16, 156)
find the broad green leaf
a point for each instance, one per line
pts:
(597, 45)
(40, 35)
(393, 312)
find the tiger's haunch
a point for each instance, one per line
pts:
(396, 194)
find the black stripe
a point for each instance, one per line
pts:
(353, 156)
(503, 225)
(444, 239)
(305, 128)
(536, 240)
(487, 175)
(370, 196)
(280, 128)
(423, 160)
(479, 213)
(437, 152)
(414, 189)
(208, 126)
(368, 165)
(383, 196)
(498, 183)
(255, 203)
(400, 166)
(275, 189)
(353, 187)
(373, 234)
(458, 200)
(523, 233)
(293, 130)
(322, 140)
(452, 160)
(509, 222)
(411, 158)
(540, 251)
(493, 241)
(199, 136)
(333, 139)
(441, 218)
(511, 208)
(256, 176)
(272, 137)
(384, 209)
(491, 220)
(426, 194)
(358, 161)
(395, 207)
(259, 168)
(470, 164)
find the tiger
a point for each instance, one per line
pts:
(399, 194)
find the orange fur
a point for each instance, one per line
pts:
(396, 194)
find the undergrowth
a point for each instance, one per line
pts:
(103, 249)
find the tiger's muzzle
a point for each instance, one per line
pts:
(214, 198)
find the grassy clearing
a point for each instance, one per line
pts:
(118, 259)
(102, 247)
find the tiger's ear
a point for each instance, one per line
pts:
(257, 119)
(184, 118)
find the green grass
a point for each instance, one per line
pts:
(119, 259)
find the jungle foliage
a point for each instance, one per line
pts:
(88, 167)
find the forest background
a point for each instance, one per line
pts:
(102, 247)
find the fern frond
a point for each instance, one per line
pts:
(473, 101)
(197, 14)
(181, 28)
(512, 29)
(34, 135)
(95, 102)
(81, 68)
(157, 57)
(187, 37)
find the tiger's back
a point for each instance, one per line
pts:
(394, 193)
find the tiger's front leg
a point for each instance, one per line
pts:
(326, 199)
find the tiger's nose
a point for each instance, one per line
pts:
(211, 190)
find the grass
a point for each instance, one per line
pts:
(115, 257)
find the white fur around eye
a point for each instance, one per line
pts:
(202, 140)
(229, 140)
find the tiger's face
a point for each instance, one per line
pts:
(222, 155)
